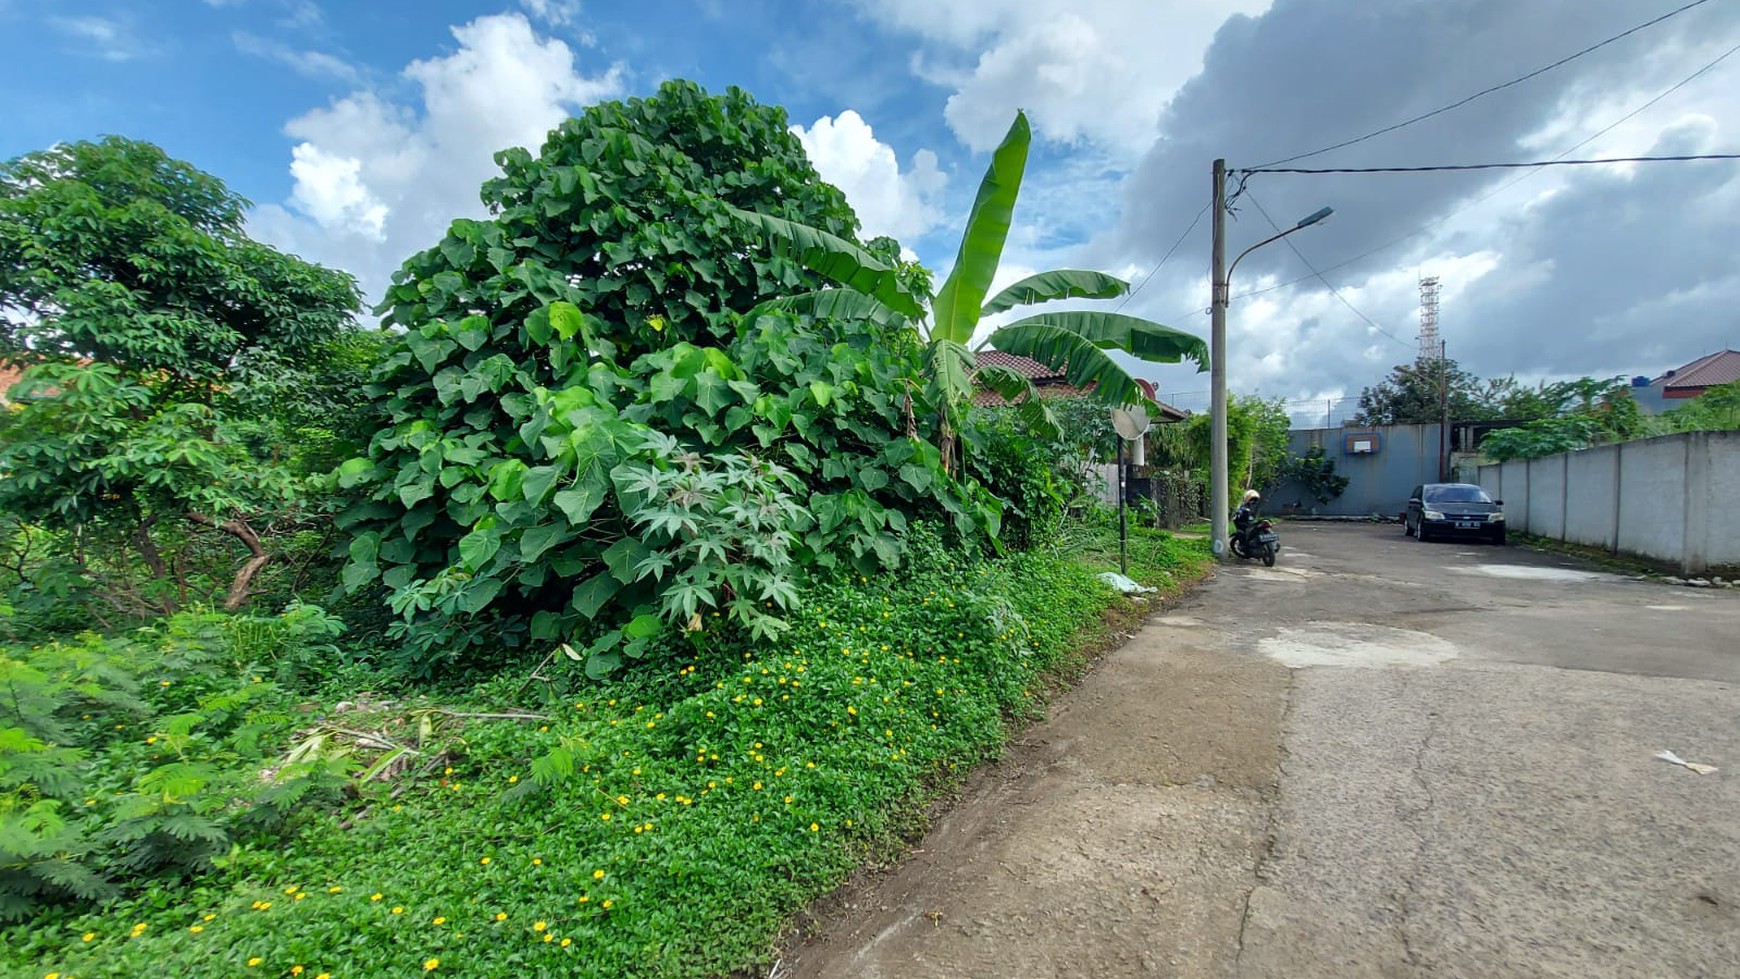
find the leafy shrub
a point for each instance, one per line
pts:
(591, 841)
(559, 358)
(131, 757)
(1033, 478)
(1315, 473)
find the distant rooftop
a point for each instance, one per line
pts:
(1722, 367)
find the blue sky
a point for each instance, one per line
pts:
(360, 129)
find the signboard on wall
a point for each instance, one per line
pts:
(1360, 443)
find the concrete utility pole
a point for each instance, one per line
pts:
(1217, 489)
(1218, 301)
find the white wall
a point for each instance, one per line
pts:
(1674, 499)
(1589, 512)
(1652, 498)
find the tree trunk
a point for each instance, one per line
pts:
(239, 529)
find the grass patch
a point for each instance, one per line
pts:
(665, 824)
(1618, 563)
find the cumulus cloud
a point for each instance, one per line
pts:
(1547, 273)
(1086, 70)
(846, 152)
(376, 181)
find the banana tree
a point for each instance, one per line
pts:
(1074, 342)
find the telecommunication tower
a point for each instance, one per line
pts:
(1429, 345)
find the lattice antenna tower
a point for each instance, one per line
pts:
(1429, 341)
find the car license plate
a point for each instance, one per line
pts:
(1468, 524)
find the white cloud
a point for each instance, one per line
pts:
(1094, 70)
(376, 181)
(846, 152)
(106, 37)
(330, 190)
(553, 12)
(313, 64)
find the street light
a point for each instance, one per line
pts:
(1222, 275)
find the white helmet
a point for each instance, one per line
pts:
(1251, 495)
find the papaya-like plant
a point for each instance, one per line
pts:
(1073, 341)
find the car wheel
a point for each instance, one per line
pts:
(1420, 532)
(1407, 529)
(1498, 538)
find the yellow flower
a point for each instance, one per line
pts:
(513, 780)
(538, 926)
(52, 975)
(584, 898)
(537, 861)
(501, 916)
(788, 800)
(814, 828)
(334, 890)
(256, 960)
(598, 875)
(196, 929)
(398, 910)
(139, 929)
(484, 861)
(151, 740)
(301, 894)
(567, 942)
(209, 917)
(90, 936)
(607, 904)
(431, 965)
(604, 816)
(622, 800)
(549, 937)
(757, 786)
(440, 921)
(324, 975)
(295, 970)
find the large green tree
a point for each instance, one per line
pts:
(1073, 341)
(155, 336)
(1413, 394)
(582, 430)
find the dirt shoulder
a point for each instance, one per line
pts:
(1117, 838)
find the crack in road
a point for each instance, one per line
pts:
(1272, 828)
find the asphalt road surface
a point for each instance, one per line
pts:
(1380, 758)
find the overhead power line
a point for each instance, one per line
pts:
(1488, 91)
(1501, 188)
(1156, 270)
(1528, 165)
(1326, 284)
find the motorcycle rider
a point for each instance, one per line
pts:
(1245, 517)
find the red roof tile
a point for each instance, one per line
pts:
(1032, 369)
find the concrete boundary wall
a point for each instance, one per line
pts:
(1674, 499)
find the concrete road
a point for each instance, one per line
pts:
(1379, 758)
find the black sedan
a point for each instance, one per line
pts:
(1453, 510)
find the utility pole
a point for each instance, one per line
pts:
(1217, 489)
(1444, 407)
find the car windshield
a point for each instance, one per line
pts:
(1457, 494)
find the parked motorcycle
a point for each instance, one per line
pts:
(1257, 541)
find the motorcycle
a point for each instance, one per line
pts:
(1257, 541)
